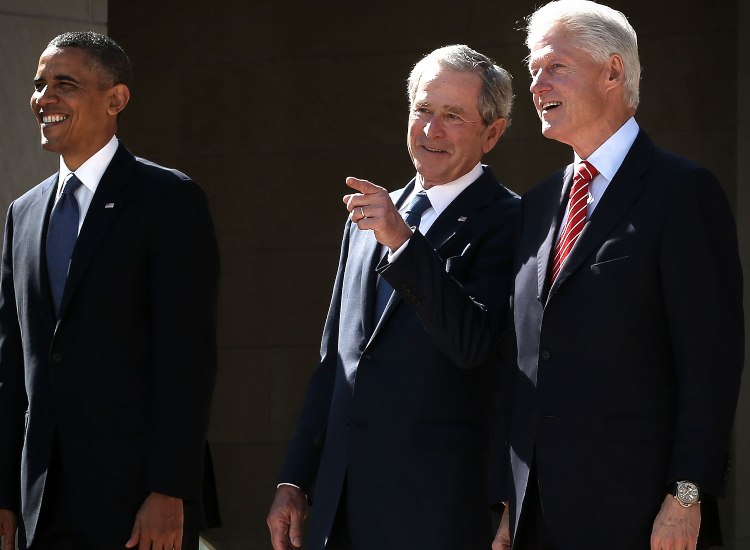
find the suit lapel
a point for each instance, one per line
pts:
(111, 193)
(621, 193)
(462, 209)
(37, 241)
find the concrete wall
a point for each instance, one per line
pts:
(270, 107)
(25, 29)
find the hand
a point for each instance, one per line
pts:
(288, 512)
(372, 208)
(502, 539)
(8, 529)
(676, 527)
(158, 524)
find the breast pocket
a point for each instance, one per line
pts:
(621, 262)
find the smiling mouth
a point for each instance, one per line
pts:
(549, 105)
(49, 119)
(430, 150)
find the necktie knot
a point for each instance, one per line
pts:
(71, 184)
(585, 172)
(418, 205)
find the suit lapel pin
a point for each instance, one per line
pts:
(109, 205)
(462, 219)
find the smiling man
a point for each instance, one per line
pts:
(391, 445)
(107, 327)
(627, 314)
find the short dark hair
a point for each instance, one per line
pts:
(107, 54)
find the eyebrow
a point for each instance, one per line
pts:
(451, 108)
(60, 77)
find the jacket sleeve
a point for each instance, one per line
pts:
(702, 286)
(183, 272)
(12, 390)
(303, 453)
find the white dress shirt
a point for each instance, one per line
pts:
(440, 198)
(90, 173)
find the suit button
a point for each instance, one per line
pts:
(56, 357)
(545, 355)
(366, 359)
(348, 424)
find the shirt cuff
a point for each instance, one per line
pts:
(393, 255)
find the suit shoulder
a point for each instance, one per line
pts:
(34, 194)
(158, 180)
(553, 181)
(152, 170)
(679, 174)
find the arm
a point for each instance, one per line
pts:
(12, 390)
(286, 516)
(289, 508)
(8, 526)
(502, 538)
(463, 301)
(702, 288)
(183, 272)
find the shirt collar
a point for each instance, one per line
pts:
(442, 195)
(609, 156)
(90, 172)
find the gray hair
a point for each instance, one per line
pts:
(597, 29)
(496, 96)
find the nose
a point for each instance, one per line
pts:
(42, 96)
(538, 84)
(433, 128)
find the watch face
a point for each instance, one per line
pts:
(687, 492)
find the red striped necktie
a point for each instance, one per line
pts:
(577, 203)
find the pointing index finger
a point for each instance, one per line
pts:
(363, 186)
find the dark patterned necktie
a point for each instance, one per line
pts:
(61, 238)
(419, 204)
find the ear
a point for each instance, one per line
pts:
(493, 133)
(118, 98)
(616, 71)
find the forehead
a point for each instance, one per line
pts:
(555, 43)
(67, 61)
(439, 85)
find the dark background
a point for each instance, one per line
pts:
(270, 105)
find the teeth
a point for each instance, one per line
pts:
(53, 118)
(433, 150)
(550, 104)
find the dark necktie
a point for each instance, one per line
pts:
(577, 205)
(419, 204)
(61, 238)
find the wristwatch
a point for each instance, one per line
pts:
(686, 493)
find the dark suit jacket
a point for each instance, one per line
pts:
(123, 379)
(411, 436)
(629, 366)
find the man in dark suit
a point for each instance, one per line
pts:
(399, 459)
(107, 327)
(627, 313)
